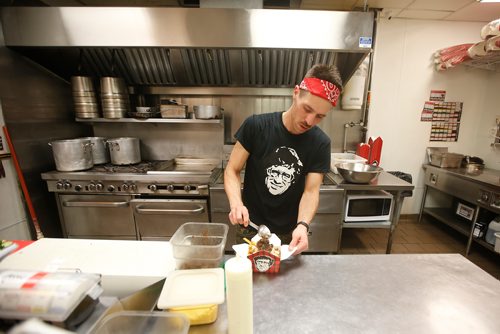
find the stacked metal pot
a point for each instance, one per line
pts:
(114, 97)
(84, 97)
(71, 155)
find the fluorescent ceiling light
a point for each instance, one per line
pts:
(488, 0)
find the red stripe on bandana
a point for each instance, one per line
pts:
(321, 88)
(33, 280)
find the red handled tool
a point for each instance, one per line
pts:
(31, 209)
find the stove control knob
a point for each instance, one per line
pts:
(78, 187)
(485, 197)
(59, 185)
(111, 188)
(133, 187)
(91, 186)
(152, 187)
(67, 185)
(99, 187)
(125, 187)
(170, 187)
(188, 188)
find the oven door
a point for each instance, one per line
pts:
(97, 216)
(158, 219)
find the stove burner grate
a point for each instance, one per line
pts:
(139, 168)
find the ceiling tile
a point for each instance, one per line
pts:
(423, 14)
(480, 12)
(389, 12)
(385, 3)
(450, 5)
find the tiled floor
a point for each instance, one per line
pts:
(428, 236)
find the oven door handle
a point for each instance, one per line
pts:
(95, 204)
(141, 209)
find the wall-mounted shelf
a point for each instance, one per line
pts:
(491, 63)
(151, 120)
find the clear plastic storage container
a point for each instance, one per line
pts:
(144, 322)
(199, 245)
(61, 297)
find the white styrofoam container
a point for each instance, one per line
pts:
(497, 242)
(337, 158)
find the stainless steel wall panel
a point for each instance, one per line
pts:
(184, 27)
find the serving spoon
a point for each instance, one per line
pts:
(262, 230)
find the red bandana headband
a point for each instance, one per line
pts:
(321, 88)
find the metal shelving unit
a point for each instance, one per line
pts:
(445, 216)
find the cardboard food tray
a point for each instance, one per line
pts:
(264, 261)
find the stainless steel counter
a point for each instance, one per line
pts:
(403, 293)
(487, 177)
(385, 181)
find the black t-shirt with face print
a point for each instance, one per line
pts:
(276, 169)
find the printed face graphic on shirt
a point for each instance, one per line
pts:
(284, 169)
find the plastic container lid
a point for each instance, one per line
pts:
(144, 322)
(50, 296)
(192, 287)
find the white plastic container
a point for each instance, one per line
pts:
(50, 296)
(354, 89)
(337, 158)
(493, 229)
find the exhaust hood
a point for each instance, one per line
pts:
(189, 46)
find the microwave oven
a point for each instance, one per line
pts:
(368, 206)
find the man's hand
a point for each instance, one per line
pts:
(299, 239)
(239, 215)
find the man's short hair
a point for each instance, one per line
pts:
(325, 72)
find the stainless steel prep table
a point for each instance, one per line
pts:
(387, 182)
(397, 293)
(480, 191)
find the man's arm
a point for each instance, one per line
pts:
(307, 209)
(232, 185)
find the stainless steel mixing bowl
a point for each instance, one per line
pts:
(358, 172)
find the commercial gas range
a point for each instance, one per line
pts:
(145, 201)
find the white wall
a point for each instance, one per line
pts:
(403, 76)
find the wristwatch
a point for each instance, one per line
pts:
(305, 224)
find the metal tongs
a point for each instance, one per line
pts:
(262, 230)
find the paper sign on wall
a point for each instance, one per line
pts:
(445, 116)
(437, 95)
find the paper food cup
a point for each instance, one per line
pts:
(264, 261)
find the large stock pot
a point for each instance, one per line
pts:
(124, 150)
(72, 154)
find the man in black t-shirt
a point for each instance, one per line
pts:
(286, 156)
